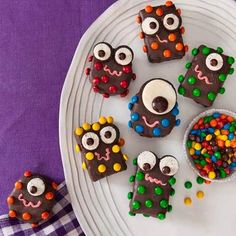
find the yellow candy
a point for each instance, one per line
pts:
(125, 157)
(188, 201)
(200, 194)
(198, 146)
(84, 167)
(110, 119)
(101, 168)
(102, 120)
(86, 126)
(116, 167)
(89, 156)
(227, 143)
(115, 148)
(223, 137)
(193, 143)
(208, 137)
(204, 150)
(191, 151)
(211, 175)
(229, 162)
(79, 131)
(96, 127)
(77, 148)
(217, 132)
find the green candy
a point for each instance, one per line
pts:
(231, 71)
(135, 161)
(219, 50)
(140, 175)
(192, 80)
(188, 65)
(222, 77)
(169, 208)
(181, 78)
(203, 162)
(230, 60)
(164, 203)
(188, 185)
(131, 178)
(158, 190)
(196, 92)
(136, 205)
(222, 174)
(131, 213)
(206, 50)
(161, 216)
(130, 195)
(172, 192)
(172, 181)
(148, 203)
(181, 90)
(222, 90)
(231, 129)
(211, 96)
(196, 161)
(200, 180)
(195, 51)
(203, 135)
(145, 215)
(189, 143)
(217, 155)
(141, 189)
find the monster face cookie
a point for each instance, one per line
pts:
(111, 70)
(100, 145)
(154, 109)
(32, 198)
(152, 185)
(162, 32)
(206, 75)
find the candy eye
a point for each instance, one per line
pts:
(36, 187)
(146, 160)
(124, 56)
(169, 165)
(150, 26)
(159, 96)
(102, 51)
(214, 62)
(90, 141)
(108, 134)
(171, 22)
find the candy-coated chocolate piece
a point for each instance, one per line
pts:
(188, 201)
(200, 194)
(188, 185)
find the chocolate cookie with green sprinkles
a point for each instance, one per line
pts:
(153, 185)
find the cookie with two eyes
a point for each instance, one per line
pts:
(206, 75)
(154, 109)
(100, 144)
(152, 185)
(32, 198)
(162, 32)
(111, 69)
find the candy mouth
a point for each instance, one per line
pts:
(161, 40)
(151, 125)
(200, 75)
(154, 180)
(27, 203)
(114, 72)
(100, 157)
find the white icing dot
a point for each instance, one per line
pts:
(171, 162)
(38, 185)
(174, 21)
(102, 51)
(146, 26)
(217, 64)
(146, 157)
(90, 137)
(112, 134)
(127, 54)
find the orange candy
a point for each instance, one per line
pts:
(34, 225)
(26, 216)
(12, 214)
(18, 185)
(167, 53)
(233, 144)
(169, 3)
(27, 174)
(159, 11)
(154, 46)
(230, 118)
(182, 30)
(179, 46)
(224, 132)
(141, 35)
(10, 200)
(45, 215)
(138, 19)
(221, 143)
(121, 142)
(179, 11)
(145, 49)
(186, 48)
(49, 196)
(54, 185)
(149, 9)
(172, 37)
(213, 123)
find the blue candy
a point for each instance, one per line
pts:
(130, 124)
(130, 106)
(216, 115)
(226, 126)
(165, 123)
(139, 129)
(175, 111)
(134, 99)
(231, 136)
(213, 158)
(134, 116)
(156, 132)
(198, 152)
(211, 130)
(177, 122)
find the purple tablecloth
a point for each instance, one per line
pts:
(37, 43)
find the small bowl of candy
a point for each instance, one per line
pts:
(210, 145)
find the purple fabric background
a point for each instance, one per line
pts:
(37, 43)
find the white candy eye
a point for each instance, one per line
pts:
(146, 160)
(124, 55)
(36, 187)
(159, 96)
(108, 134)
(171, 22)
(102, 51)
(169, 165)
(214, 61)
(90, 141)
(150, 26)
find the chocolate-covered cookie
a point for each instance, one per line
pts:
(162, 32)
(32, 198)
(100, 144)
(154, 109)
(153, 183)
(206, 75)
(111, 69)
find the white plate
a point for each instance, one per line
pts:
(102, 207)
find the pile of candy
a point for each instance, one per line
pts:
(211, 145)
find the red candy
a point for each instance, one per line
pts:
(123, 84)
(113, 89)
(98, 66)
(127, 69)
(105, 79)
(96, 81)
